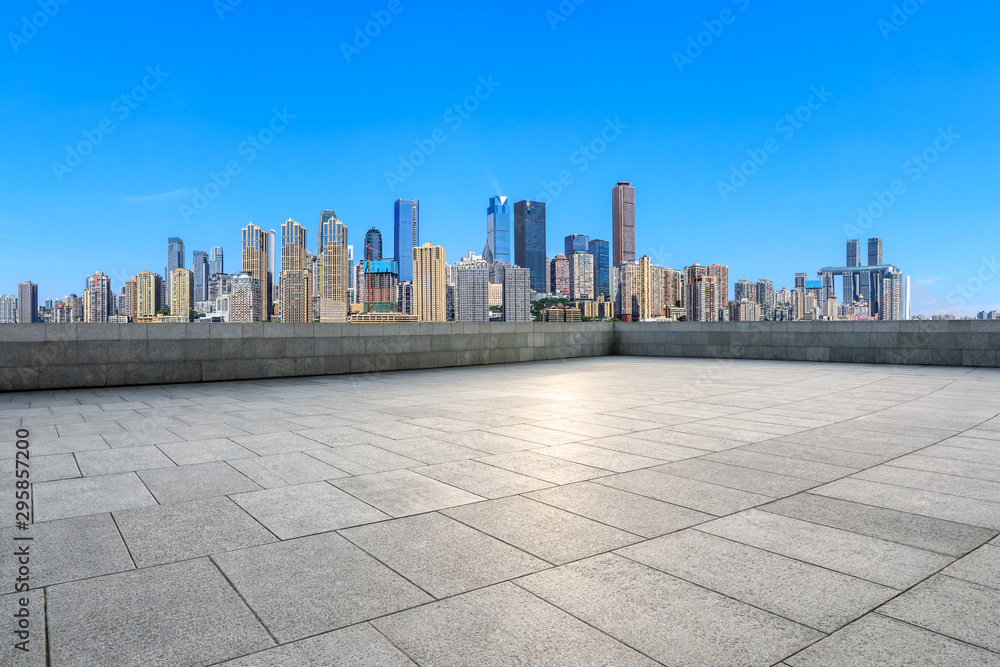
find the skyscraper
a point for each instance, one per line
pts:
(200, 268)
(498, 215)
(721, 274)
(215, 261)
(559, 281)
(765, 292)
(373, 245)
(27, 303)
(744, 290)
(293, 288)
(128, 302)
(472, 289)
(852, 281)
(182, 294)
(335, 268)
(581, 276)
(175, 257)
(272, 277)
(244, 302)
(601, 250)
(800, 280)
(701, 294)
(875, 252)
(149, 291)
(380, 286)
(256, 263)
(429, 286)
(406, 235)
(623, 222)
(633, 287)
(529, 241)
(576, 243)
(8, 309)
(516, 293)
(98, 299)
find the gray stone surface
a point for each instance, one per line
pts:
(980, 567)
(690, 493)
(204, 480)
(169, 533)
(960, 609)
(481, 479)
(877, 640)
(546, 468)
(542, 530)
(34, 652)
(363, 459)
(205, 451)
(441, 555)
(315, 584)
(67, 550)
(860, 556)
(282, 510)
(672, 621)
(403, 492)
(356, 646)
(92, 495)
(131, 459)
(505, 626)
(737, 477)
(813, 596)
(169, 615)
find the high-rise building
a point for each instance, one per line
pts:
(529, 241)
(128, 301)
(472, 289)
(702, 295)
(201, 268)
(633, 290)
(27, 303)
(744, 290)
(623, 223)
(601, 250)
(673, 288)
(175, 259)
(379, 286)
(516, 293)
(875, 252)
(744, 310)
(429, 284)
(182, 294)
(335, 268)
(373, 245)
(765, 293)
(404, 299)
(8, 309)
(294, 296)
(256, 263)
(498, 224)
(721, 274)
(272, 276)
(576, 243)
(98, 299)
(215, 261)
(149, 290)
(559, 281)
(406, 235)
(581, 276)
(800, 280)
(219, 285)
(244, 301)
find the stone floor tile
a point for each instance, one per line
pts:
(50, 468)
(737, 477)
(874, 560)
(357, 646)
(813, 596)
(179, 614)
(599, 457)
(537, 434)
(363, 459)
(441, 555)
(542, 530)
(90, 495)
(481, 479)
(545, 468)
(204, 480)
(690, 493)
(503, 626)
(782, 465)
(430, 450)
(634, 514)
(307, 509)
(981, 567)
(170, 533)
(489, 443)
(672, 621)
(837, 457)
(298, 468)
(112, 461)
(966, 487)
(205, 451)
(34, 652)
(316, 584)
(276, 443)
(404, 492)
(936, 464)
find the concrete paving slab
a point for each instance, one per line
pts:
(690, 493)
(481, 479)
(282, 510)
(204, 480)
(91, 495)
(404, 492)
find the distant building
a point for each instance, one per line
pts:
(601, 309)
(515, 293)
(581, 276)
(244, 301)
(175, 259)
(498, 228)
(601, 250)
(744, 290)
(404, 299)
(576, 243)
(496, 293)
(529, 242)
(559, 280)
(200, 266)
(256, 263)
(472, 294)
(702, 298)
(8, 309)
(27, 303)
(634, 287)
(721, 274)
(744, 310)
(560, 314)
(406, 235)
(373, 245)
(765, 293)
(623, 223)
(294, 294)
(380, 287)
(334, 280)
(182, 294)
(216, 263)
(98, 299)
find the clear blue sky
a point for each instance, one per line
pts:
(559, 82)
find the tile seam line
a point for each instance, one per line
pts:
(246, 604)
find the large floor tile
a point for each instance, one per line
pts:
(980, 567)
(482, 479)
(404, 492)
(316, 584)
(307, 509)
(91, 495)
(357, 646)
(112, 461)
(204, 480)
(690, 493)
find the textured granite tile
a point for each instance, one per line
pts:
(112, 461)
(403, 492)
(91, 495)
(204, 480)
(690, 493)
(307, 509)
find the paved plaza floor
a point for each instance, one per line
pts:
(613, 511)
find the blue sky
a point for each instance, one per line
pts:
(558, 77)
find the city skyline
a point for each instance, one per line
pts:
(878, 113)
